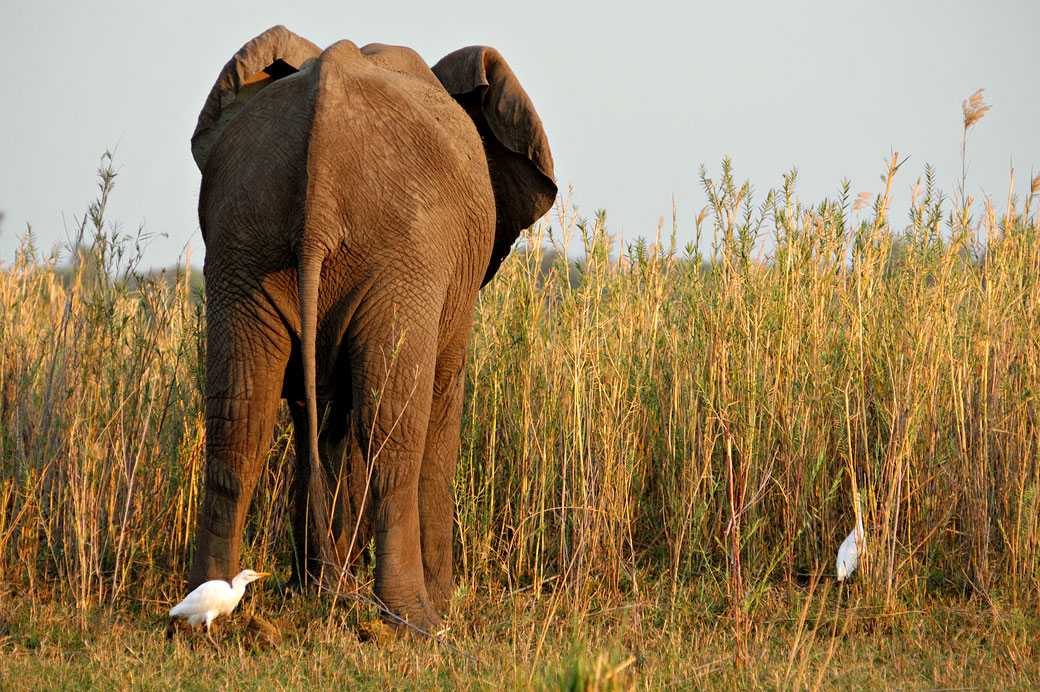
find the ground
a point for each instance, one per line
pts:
(795, 639)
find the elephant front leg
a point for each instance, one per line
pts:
(437, 479)
(346, 480)
(245, 361)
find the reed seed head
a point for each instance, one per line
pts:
(974, 108)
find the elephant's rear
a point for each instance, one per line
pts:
(391, 157)
(254, 181)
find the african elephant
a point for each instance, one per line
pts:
(353, 203)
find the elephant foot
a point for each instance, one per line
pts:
(421, 619)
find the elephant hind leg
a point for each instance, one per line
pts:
(437, 476)
(246, 356)
(393, 385)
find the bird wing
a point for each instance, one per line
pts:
(848, 556)
(209, 596)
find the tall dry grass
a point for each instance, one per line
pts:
(662, 417)
(683, 416)
(100, 420)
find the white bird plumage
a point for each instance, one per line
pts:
(848, 553)
(214, 598)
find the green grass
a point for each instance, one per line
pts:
(524, 641)
(660, 448)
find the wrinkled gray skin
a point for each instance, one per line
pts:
(353, 203)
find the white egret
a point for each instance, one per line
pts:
(848, 553)
(213, 599)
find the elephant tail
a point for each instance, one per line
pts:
(309, 273)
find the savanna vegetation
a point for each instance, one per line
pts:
(661, 449)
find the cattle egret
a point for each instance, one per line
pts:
(848, 553)
(213, 599)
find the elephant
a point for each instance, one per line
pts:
(353, 203)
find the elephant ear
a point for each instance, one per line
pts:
(274, 54)
(517, 150)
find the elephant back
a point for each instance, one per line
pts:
(274, 54)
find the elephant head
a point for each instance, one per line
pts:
(350, 195)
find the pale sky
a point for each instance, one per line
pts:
(633, 100)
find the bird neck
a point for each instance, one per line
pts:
(238, 586)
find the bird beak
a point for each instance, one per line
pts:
(262, 574)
